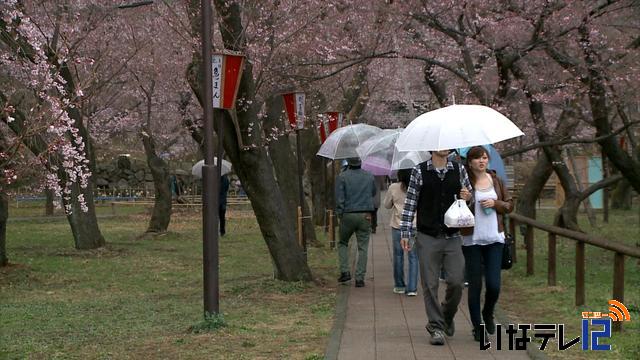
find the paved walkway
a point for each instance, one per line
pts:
(374, 323)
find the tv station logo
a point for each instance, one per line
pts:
(596, 326)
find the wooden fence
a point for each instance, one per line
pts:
(619, 250)
(232, 201)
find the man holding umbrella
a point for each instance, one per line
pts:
(432, 189)
(354, 191)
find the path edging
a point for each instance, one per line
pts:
(335, 337)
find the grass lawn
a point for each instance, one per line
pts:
(530, 300)
(139, 298)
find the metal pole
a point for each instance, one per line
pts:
(209, 180)
(301, 193)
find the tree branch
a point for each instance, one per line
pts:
(565, 142)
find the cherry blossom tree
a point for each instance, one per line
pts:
(40, 108)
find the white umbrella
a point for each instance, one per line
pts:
(196, 170)
(342, 143)
(456, 126)
(381, 157)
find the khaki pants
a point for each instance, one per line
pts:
(359, 224)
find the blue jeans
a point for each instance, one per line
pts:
(398, 264)
(476, 257)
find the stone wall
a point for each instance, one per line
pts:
(123, 173)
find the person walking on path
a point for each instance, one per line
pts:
(483, 243)
(354, 191)
(434, 185)
(394, 200)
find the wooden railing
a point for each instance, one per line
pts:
(196, 203)
(620, 251)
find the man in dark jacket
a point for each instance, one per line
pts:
(432, 189)
(355, 190)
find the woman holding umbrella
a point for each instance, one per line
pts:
(482, 244)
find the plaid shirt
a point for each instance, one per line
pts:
(413, 193)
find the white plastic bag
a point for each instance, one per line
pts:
(458, 215)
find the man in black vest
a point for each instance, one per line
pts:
(433, 187)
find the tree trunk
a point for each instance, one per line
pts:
(256, 172)
(282, 153)
(315, 164)
(621, 196)
(161, 213)
(526, 204)
(48, 206)
(4, 215)
(356, 96)
(313, 185)
(318, 192)
(84, 224)
(436, 86)
(565, 215)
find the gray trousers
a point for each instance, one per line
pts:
(433, 254)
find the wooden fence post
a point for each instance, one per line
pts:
(299, 222)
(528, 238)
(618, 284)
(551, 265)
(580, 269)
(332, 231)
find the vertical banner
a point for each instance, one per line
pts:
(226, 71)
(294, 105)
(216, 75)
(335, 120)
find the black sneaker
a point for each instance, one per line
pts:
(359, 283)
(489, 323)
(344, 277)
(449, 327)
(477, 333)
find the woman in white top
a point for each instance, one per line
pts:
(394, 199)
(482, 244)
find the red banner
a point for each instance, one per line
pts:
(294, 105)
(226, 73)
(335, 120)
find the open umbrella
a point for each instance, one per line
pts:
(342, 143)
(495, 160)
(456, 126)
(381, 157)
(196, 170)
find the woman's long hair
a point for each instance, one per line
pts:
(404, 176)
(475, 152)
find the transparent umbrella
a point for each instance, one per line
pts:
(456, 126)
(196, 170)
(342, 143)
(380, 155)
